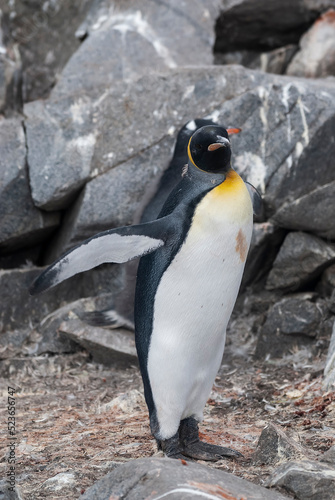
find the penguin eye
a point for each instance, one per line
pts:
(198, 146)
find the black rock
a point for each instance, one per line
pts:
(249, 24)
(315, 58)
(301, 259)
(291, 322)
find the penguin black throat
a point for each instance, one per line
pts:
(209, 149)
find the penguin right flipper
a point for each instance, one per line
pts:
(115, 245)
(256, 198)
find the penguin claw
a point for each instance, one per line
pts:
(209, 452)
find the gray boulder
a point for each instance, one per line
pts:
(273, 61)
(316, 57)
(313, 212)
(88, 112)
(249, 24)
(44, 34)
(9, 80)
(296, 315)
(329, 456)
(74, 139)
(20, 310)
(112, 199)
(21, 223)
(131, 39)
(301, 258)
(265, 241)
(292, 322)
(157, 478)
(110, 347)
(45, 337)
(305, 480)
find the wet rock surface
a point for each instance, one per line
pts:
(92, 97)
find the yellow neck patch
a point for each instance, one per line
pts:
(189, 153)
(231, 184)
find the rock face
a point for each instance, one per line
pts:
(292, 322)
(301, 258)
(44, 35)
(156, 478)
(92, 95)
(29, 225)
(247, 35)
(317, 49)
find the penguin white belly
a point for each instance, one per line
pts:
(193, 304)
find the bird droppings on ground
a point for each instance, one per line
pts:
(71, 432)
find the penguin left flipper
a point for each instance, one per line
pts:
(114, 246)
(256, 198)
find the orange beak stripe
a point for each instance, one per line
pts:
(232, 131)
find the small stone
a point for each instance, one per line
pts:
(127, 402)
(275, 446)
(60, 481)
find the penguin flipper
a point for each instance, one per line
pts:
(256, 198)
(113, 246)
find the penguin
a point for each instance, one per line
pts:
(191, 266)
(122, 315)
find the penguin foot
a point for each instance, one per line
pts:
(171, 447)
(192, 447)
(209, 452)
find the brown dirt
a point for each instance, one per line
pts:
(62, 425)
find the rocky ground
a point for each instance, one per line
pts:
(82, 420)
(92, 98)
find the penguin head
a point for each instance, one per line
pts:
(209, 149)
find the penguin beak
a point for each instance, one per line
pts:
(232, 131)
(222, 143)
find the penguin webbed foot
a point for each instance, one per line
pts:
(209, 452)
(192, 447)
(171, 447)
